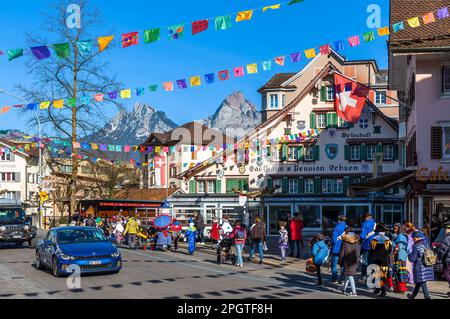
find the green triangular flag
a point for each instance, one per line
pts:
(14, 54)
(223, 23)
(72, 102)
(152, 35)
(369, 36)
(294, 2)
(62, 50)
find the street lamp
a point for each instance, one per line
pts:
(40, 148)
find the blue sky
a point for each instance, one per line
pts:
(268, 35)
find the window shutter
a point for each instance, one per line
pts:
(323, 93)
(284, 150)
(269, 151)
(301, 185)
(346, 152)
(345, 185)
(379, 148)
(300, 153)
(329, 120)
(317, 153)
(317, 185)
(372, 96)
(312, 122)
(396, 155)
(334, 118)
(436, 142)
(218, 186)
(192, 187)
(285, 185)
(363, 152)
(269, 182)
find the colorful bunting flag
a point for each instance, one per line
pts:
(176, 32)
(443, 13)
(168, 86)
(40, 52)
(294, 2)
(354, 41)
(383, 31)
(414, 22)
(195, 81)
(152, 35)
(272, 7)
(311, 53)
(85, 100)
(224, 75)
(130, 39)
(5, 109)
(125, 94)
(280, 60)
(58, 104)
(369, 36)
(44, 105)
(84, 47)
(99, 97)
(210, 78)
(428, 18)
(32, 106)
(238, 72)
(252, 68)
(72, 102)
(325, 49)
(199, 26)
(153, 87)
(182, 84)
(296, 57)
(103, 42)
(140, 91)
(62, 50)
(222, 23)
(244, 15)
(339, 45)
(398, 26)
(14, 54)
(113, 95)
(266, 65)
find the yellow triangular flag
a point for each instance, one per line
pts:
(383, 31)
(195, 81)
(273, 7)
(125, 94)
(311, 53)
(414, 22)
(58, 104)
(244, 15)
(44, 105)
(252, 68)
(103, 42)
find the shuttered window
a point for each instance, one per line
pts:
(436, 142)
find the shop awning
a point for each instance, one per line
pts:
(380, 183)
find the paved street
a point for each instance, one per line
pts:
(149, 274)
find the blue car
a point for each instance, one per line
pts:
(86, 247)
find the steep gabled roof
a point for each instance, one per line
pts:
(276, 82)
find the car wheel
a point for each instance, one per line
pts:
(32, 243)
(38, 261)
(55, 271)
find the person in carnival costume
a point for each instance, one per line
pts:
(400, 272)
(191, 235)
(380, 252)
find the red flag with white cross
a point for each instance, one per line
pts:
(350, 98)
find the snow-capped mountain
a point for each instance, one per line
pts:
(135, 126)
(236, 116)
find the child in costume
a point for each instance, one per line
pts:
(191, 235)
(283, 240)
(175, 230)
(164, 239)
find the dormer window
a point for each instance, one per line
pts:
(327, 93)
(274, 101)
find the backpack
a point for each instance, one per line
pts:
(257, 231)
(240, 234)
(429, 258)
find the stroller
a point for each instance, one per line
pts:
(225, 250)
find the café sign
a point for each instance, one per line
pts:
(426, 175)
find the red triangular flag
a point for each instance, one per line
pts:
(199, 26)
(350, 98)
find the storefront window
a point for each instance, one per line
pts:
(277, 214)
(392, 214)
(311, 216)
(355, 215)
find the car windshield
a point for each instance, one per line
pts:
(11, 215)
(74, 236)
(440, 237)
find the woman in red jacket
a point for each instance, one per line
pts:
(296, 228)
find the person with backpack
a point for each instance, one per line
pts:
(336, 241)
(296, 227)
(444, 254)
(423, 260)
(258, 236)
(319, 253)
(240, 236)
(349, 259)
(283, 241)
(367, 234)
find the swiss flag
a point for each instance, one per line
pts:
(350, 98)
(160, 171)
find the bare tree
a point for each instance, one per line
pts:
(76, 76)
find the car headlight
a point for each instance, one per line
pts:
(26, 227)
(2, 228)
(116, 254)
(65, 257)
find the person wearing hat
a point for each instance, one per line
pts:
(367, 234)
(421, 272)
(444, 254)
(319, 253)
(336, 241)
(400, 272)
(380, 251)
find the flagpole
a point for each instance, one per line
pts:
(371, 89)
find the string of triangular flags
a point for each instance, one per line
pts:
(227, 74)
(174, 32)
